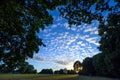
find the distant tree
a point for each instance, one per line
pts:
(77, 66)
(56, 72)
(25, 68)
(46, 71)
(65, 71)
(71, 72)
(88, 68)
(31, 69)
(61, 71)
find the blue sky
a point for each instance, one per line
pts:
(65, 44)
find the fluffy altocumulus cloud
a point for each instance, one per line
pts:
(65, 45)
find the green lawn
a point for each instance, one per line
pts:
(48, 77)
(35, 77)
(91, 78)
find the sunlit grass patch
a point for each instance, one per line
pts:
(49, 77)
(35, 77)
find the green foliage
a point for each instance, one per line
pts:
(84, 11)
(113, 64)
(99, 65)
(71, 72)
(61, 71)
(107, 12)
(77, 66)
(20, 21)
(88, 68)
(110, 44)
(25, 68)
(46, 71)
(64, 71)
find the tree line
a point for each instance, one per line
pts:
(61, 71)
(23, 68)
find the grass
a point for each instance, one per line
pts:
(34, 77)
(92, 78)
(48, 77)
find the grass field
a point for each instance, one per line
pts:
(48, 77)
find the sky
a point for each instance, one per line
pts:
(65, 44)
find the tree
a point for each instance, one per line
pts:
(99, 65)
(88, 68)
(61, 71)
(56, 72)
(20, 21)
(25, 68)
(77, 66)
(46, 71)
(22, 68)
(71, 72)
(110, 44)
(107, 12)
(84, 11)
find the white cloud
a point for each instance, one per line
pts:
(93, 40)
(94, 32)
(90, 29)
(66, 25)
(54, 26)
(83, 44)
(73, 28)
(71, 41)
(79, 42)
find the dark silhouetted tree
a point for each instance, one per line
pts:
(25, 68)
(61, 71)
(77, 66)
(56, 72)
(107, 12)
(99, 65)
(46, 71)
(71, 72)
(20, 21)
(88, 68)
(110, 44)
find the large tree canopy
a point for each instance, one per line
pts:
(84, 11)
(20, 21)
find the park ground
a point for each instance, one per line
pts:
(49, 77)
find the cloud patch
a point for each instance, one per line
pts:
(61, 62)
(67, 44)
